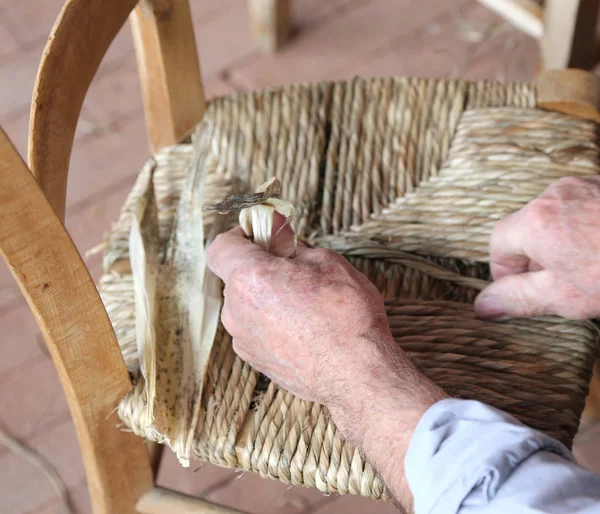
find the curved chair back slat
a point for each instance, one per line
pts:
(80, 37)
(79, 335)
(76, 325)
(169, 73)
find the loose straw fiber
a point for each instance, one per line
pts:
(406, 178)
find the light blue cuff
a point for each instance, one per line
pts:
(463, 445)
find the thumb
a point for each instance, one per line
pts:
(282, 237)
(524, 295)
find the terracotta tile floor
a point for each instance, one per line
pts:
(332, 39)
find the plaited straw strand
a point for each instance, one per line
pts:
(273, 454)
(237, 404)
(284, 442)
(216, 405)
(272, 422)
(280, 135)
(407, 110)
(257, 433)
(388, 126)
(317, 137)
(405, 178)
(299, 461)
(299, 141)
(353, 246)
(351, 213)
(276, 144)
(259, 111)
(327, 459)
(425, 99)
(331, 159)
(349, 123)
(222, 421)
(362, 201)
(289, 444)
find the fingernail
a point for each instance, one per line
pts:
(488, 307)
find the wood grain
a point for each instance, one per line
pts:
(271, 22)
(71, 316)
(164, 501)
(575, 92)
(79, 40)
(165, 47)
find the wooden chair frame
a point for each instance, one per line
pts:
(566, 29)
(41, 255)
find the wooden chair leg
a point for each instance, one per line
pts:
(270, 21)
(569, 39)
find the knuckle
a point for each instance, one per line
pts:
(213, 248)
(571, 303)
(500, 227)
(255, 274)
(240, 348)
(218, 240)
(236, 276)
(541, 214)
(238, 280)
(226, 317)
(322, 253)
(570, 183)
(326, 255)
(228, 321)
(567, 189)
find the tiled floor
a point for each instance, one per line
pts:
(333, 39)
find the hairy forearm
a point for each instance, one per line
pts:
(381, 411)
(316, 326)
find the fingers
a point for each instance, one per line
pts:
(508, 255)
(518, 296)
(231, 251)
(282, 238)
(238, 347)
(228, 320)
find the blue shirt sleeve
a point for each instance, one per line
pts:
(468, 458)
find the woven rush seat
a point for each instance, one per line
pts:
(406, 178)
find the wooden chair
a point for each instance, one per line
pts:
(566, 29)
(271, 23)
(428, 164)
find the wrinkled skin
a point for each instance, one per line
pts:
(317, 326)
(545, 257)
(301, 304)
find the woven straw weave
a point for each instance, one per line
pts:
(406, 179)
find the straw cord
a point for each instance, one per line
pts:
(405, 178)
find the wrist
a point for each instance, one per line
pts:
(379, 412)
(381, 381)
(386, 402)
